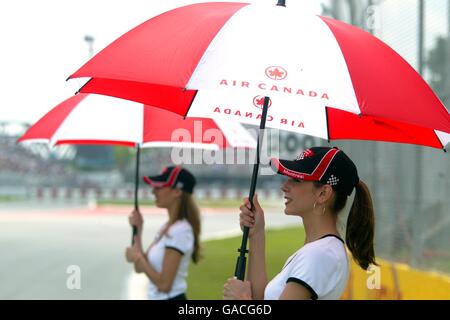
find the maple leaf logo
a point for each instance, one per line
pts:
(258, 102)
(276, 73)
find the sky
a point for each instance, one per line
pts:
(42, 43)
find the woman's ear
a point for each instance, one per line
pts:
(325, 193)
(178, 192)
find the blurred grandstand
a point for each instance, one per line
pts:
(29, 164)
(26, 166)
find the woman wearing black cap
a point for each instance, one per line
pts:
(166, 261)
(318, 185)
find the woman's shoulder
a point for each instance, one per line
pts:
(180, 226)
(326, 248)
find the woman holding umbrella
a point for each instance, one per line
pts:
(166, 261)
(319, 183)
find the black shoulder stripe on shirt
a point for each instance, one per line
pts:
(176, 249)
(307, 286)
(333, 235)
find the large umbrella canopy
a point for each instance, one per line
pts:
(96, 119)
(324, 77)
(273, 66)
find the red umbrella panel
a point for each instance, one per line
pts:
(221, 59)
(96, 119)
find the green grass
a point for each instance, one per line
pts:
(8, 198)
(206, 279)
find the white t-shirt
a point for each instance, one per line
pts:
(320, 266)
(179, 237)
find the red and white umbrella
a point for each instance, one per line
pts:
(96, 119)
(324, 77)
(255, 63)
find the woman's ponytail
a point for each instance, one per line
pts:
(360, 227)
(190, 211)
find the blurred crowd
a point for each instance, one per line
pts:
(19, 165)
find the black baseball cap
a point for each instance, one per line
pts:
(174, 177)
(324, 164)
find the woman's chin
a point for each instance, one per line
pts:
(289, 211)
(158, 204)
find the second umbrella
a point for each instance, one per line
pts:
(101, 120)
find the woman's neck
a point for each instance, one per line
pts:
(317, 226)
(173, 212)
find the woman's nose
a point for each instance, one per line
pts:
(284, 186)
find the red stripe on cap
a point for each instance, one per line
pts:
(163, 184)
(174, 175)
(287, 172)
(316, 175)
(148, 181)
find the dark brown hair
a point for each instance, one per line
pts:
(189, 210)
(360, 231)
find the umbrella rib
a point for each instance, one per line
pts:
(190, 104)
(79, 90)
(440, 142)
(326, 119)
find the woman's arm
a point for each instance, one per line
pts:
(253, 288)
(257, 273)
(164, 279)
(256, 282)
(295, 291)
(136, 219)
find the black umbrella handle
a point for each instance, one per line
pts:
(134, 233)
(242, 260)
(136, 191)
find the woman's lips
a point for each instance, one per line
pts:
(287, 200)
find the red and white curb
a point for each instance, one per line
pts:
(93, 194)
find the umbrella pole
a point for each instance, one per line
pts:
(242, 259)
(136, 189)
